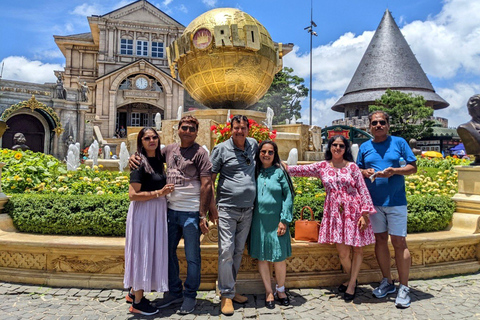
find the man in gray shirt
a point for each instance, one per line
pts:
(234, 160)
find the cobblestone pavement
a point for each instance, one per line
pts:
(456, 297)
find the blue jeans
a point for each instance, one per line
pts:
(184, 223)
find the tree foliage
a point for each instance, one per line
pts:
(284, 96)
(409, 116)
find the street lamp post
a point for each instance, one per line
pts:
(312, 33)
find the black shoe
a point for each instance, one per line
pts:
(342, 288)
(349, 297)
(270, 304)
(283, 301)
(143, 307)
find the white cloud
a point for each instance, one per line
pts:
(457, 97)
(167, 2)
(448, 43)
(86, 10)
(322, 114)
(210, 3)
(183, 9)
(22, 69)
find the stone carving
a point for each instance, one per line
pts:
(158, 121)
(470, 132)
(84, 92)
(19, 142)
(86, 265)
(23, 260)
(413, 145)
(106, 152)
(269, 119)
(292, 157)
(316, 136)
(93, 152)
(228, 116)
(60, 92)
(287, 121)
(73, 157)
(179, 113)
(123, 157)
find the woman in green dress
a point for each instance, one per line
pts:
(270, 235)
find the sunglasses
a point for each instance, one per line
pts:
(382, 122)
(188, 128)
(150, 138)
(247, 159)
(270, 152)
(338, 145)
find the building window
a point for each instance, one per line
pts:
(126, 46)
(142, 48)
(135, 119)
(157, 49)
(145, 120)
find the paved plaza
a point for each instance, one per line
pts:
(456, 297)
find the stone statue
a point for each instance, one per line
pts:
(292, 157)
(124, 155)
(228, 116)
(287, 121)
(470, 132)
(316, 135)
(413, 145)
(73, 157)
(293, 120)
(93, 152)
(61, 93)
(77, 151)
(69, 141)
(208, 151)
(19, 142)
(106, 151)
(269, 120)
(179, 113)
(84, 92)
(158, 121)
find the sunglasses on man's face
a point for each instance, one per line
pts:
(188, 128)
(338, 145)
(150, 138)
(270, 152)
(382, 122)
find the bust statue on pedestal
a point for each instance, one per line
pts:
(470, 132)
(19, 142)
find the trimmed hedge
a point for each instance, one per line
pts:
(429, 213)
(86, 215)
(105, 215)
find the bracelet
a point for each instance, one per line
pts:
(202, 217)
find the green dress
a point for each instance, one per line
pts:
(273, 204)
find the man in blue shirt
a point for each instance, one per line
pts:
(378, 160)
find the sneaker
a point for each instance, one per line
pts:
(143, 307)
(403, 298)
(168, 300)
(130, 296)
(384, 288)
(188, 306)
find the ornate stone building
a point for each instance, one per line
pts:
(388, 63)
(115, 76)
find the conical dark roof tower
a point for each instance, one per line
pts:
(388, 63)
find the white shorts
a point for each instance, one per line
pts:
(391, 219)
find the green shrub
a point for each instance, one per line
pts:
(429, 213)
(88, 215)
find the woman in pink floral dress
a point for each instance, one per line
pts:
(346, 210)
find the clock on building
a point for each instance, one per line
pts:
(141, 83)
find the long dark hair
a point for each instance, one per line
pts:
(348, 150)
(142, 153)
(276, 162)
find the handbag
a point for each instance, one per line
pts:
(307, 230)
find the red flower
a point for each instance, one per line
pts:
(213, 128)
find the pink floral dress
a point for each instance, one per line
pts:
(347, 197)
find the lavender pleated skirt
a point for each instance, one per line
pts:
(146, 250)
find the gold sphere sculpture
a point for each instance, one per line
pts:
(225, 59)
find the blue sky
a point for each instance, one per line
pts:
(444, 35)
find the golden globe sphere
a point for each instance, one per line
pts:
(225, 59)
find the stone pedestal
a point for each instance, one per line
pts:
(467, 214)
